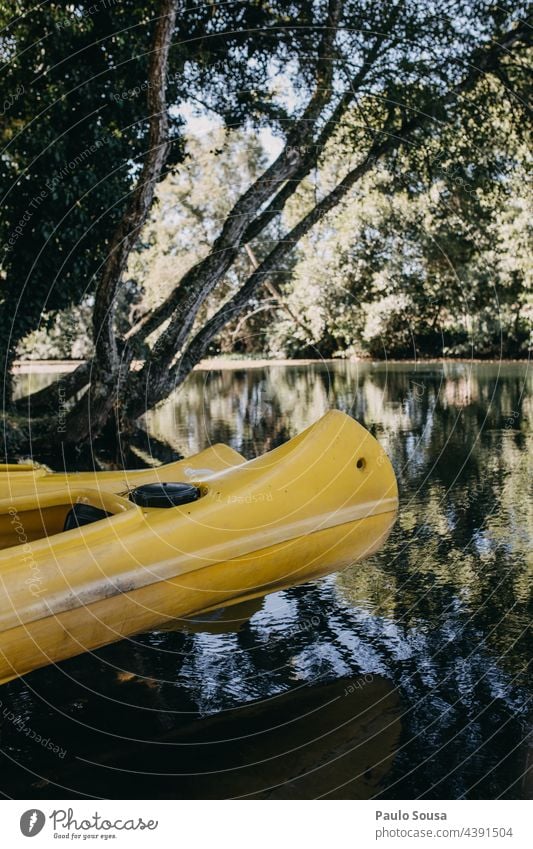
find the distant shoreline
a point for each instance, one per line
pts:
(229, 364)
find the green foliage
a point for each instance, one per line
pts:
(74, 127)
(193, 202)
(428, 263)
(428, 254)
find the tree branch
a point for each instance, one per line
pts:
(127, 232)
(49, 399)
(274, 291)
(160, 384)
(310, 154)
(484, 60)
(200, 280)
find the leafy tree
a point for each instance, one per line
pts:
(428, 256)
(408, 69)
(75, 129)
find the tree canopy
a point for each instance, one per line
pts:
(396, 133)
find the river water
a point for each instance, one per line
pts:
(405, 676)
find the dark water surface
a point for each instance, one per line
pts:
(402, 677)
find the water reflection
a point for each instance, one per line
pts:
(442, 612)
(333, 739)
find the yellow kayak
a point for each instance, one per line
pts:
(90, 558)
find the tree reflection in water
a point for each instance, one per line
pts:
(441, 613)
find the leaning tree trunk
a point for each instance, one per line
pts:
(8, 346)
(97, 407)
(114, 388)
(160, 376)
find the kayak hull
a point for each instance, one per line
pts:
(53, 639)
(316, 504)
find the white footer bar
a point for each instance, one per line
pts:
(265, 825)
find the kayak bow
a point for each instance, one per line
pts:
(90, 558)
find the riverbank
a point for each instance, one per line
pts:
(231, 363)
